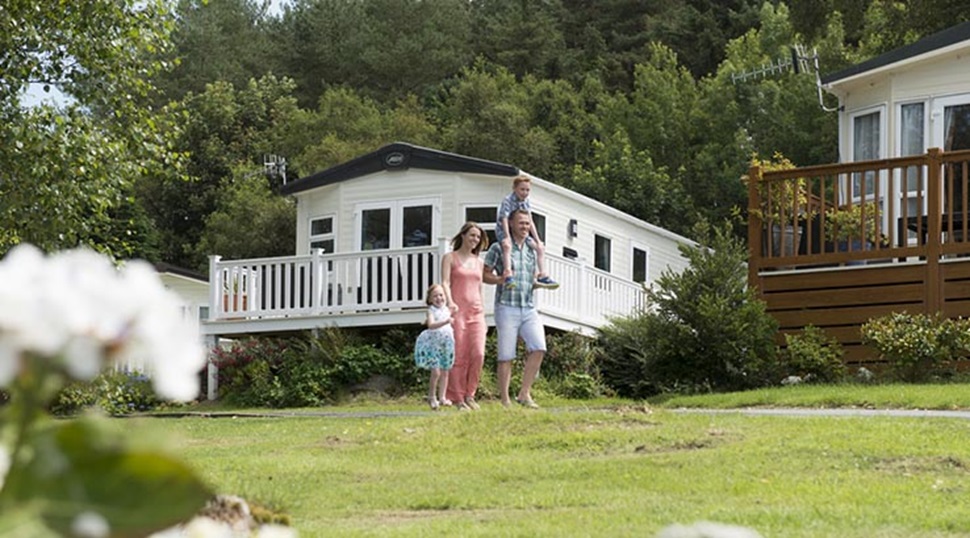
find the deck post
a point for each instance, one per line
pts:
(934, 211)
(211, 370)
(317, 284)
(215, 289)
(754, 226)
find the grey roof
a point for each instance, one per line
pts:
(939, 40)
(399, 156)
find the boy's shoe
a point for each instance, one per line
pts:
(509, 283)
(545, 282)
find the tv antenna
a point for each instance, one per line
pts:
(275, 166)
(798, 61)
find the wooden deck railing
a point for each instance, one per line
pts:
(909, 217)
(903, 208)
(321, 284)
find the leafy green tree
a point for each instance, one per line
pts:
(225, 127)
(251, 221)
(524, 37)
(486, 113)
(66, 170)
(628, 180)
(698, 30)
(658, 116)
(384, 49)
(611, 34)
(569, 117)
(224, 40)
(347, 125)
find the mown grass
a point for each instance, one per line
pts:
(882, 396)
(607, 469)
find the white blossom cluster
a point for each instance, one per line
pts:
(81, 312)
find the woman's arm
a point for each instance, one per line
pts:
(446, 281)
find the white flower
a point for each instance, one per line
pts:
(78, 309)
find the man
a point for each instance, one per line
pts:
(515, 311)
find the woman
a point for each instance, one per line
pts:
(461, 276)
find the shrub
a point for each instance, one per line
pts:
(814, 357)
(917, 346)
(704, 329)
(248, 371)
(123, 393)
(570, 366)
(115, 392)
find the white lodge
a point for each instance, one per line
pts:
(371, 233)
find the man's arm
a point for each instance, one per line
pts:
(489, 276)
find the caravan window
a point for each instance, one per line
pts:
(398, 224)
(603, 252)
(322, 234)
(484, 216)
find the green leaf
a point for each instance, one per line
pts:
(78, 467)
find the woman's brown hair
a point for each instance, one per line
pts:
(456, 241)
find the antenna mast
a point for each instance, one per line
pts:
(797, 62)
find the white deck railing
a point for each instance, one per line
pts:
(321, 284)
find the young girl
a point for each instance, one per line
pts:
(435, 347)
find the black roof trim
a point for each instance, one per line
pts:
(939, 40)
(163, 267)
(399, 156)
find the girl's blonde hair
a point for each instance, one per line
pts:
(458, 239)
(427, 294)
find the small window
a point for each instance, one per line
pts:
(321, 234)
(539, 221)
(417, 226)
(485, 217)
(603, 252)
(375, 229)
(639, 265)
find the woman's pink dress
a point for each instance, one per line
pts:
(470, 328)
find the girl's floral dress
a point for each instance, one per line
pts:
(435, 348)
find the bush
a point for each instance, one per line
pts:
(249, 369)
(570, 366)
(313, 371)
(813, 357)
(115, 392)
(917, 346)
(704, 329)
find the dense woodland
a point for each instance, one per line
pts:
(158, 151)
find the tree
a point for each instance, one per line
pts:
(224, 40)
(384, 49)
(225, 128)
(346, 125)
(524, 37)
(628, 180)
(486, 113)
(66, 170)
(251, 221)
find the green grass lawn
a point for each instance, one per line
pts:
(602, 469)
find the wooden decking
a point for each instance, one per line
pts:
(385, 288)
(913, 255)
